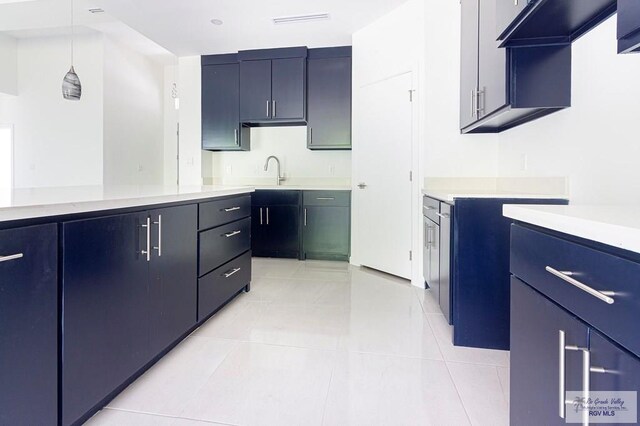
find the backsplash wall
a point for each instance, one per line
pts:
(299, 164)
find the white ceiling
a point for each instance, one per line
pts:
(184, 28)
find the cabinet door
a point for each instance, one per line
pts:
(445, 261)
(28, 330)
(468, 62)
(173, 274)
(329, 103)
(326, 232)
(289, 92)
(255, 91)
(536, 361)
(221, 107)
(628, 17)
(260, 241)
(434, 260)
(284, 225)
(492, 63)
(105, 299)
(621, 370)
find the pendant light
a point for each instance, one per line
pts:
(71, 87)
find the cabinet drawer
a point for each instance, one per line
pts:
(275, 197)
(219, 245)
(327, 198)
(533, 252)
(219, 212)
(216, 288)
(431, 208)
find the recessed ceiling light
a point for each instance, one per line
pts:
(217, 21)
(301, 18)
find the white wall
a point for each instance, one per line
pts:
(57, 142)
(447, 153)
(289, 144)
(170, 128)
(8, 65)
(133, 117)
(189, 85)
(595, 142)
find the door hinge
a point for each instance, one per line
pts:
(411, 95)
(411, 176)
(410, 255)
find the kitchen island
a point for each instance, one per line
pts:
(98, 283)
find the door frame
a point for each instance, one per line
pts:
(13, 152)
(417, 161)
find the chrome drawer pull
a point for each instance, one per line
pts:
(428, 208)
(232, 209)
(12, 257)
(325, 198)
(565, 276)
(235, 271)
(233, 234)
(444, 215)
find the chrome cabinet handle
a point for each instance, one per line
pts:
(267, 215)
(562, 362)
(268, 109)
(260, 215)
(11, 257)
(232, 209)
(232, 234)
(159, 223)
(235, 135)
(566, 276)
(428, 207)
(273, 109)
(444, 215)
(305, 217)
(430, 228)
(325, 198)
(310, 136)
(147, 252)
(473, 103)
(480, 94)
(233, 272)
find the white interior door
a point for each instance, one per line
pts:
(6, 156)
(383, 164)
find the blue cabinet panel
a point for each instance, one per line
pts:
(628, 26)
(289, 89)
(106, 309)
(535, 361)
(469, 61)
(28, 326)
(255, 91)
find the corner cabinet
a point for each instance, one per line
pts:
(503, 88)
(28, 326)
(275, 224)
(329, 99)
(574, 306)
(628, 26)
(273, 86)
(221, 128)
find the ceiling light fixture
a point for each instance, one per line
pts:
(71, 87)
(217, 21)
(301, 18)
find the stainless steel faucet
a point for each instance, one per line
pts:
(279, 178)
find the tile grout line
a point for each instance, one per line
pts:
(166, 416)
(326, 399)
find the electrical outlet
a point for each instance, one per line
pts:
(332, 170)
(140, 168)
(229, 169)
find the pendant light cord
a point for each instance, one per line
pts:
(72, 33)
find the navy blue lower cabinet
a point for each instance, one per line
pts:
(28, 326)
(106, 309)
(539, 332)
(173, 274)
(612, 367)
(276, 224)
(481, 242)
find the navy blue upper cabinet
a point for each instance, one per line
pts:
(329, 98)
(510, 86)
(28, 326)
(628, 26)
(273, 86)
(543, 22)
(221, 128)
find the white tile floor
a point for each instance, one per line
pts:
(320, 343)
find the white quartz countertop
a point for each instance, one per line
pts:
(617, 226)
(303, 188)
(33, 203)
(452, 196)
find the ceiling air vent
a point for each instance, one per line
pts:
(301, 18)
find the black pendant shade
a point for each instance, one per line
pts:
(71, 87)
